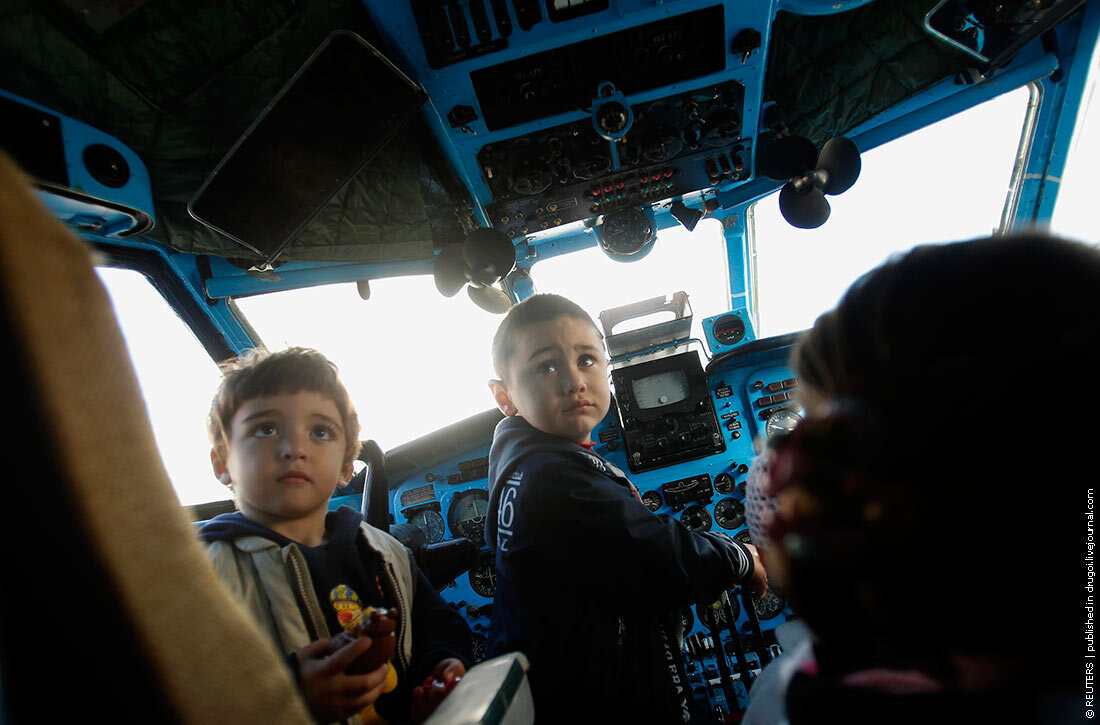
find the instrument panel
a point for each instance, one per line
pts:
(750, 395)
(555, 112)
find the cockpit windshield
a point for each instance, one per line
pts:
(416, 361)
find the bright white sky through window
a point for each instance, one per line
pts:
(943, 183)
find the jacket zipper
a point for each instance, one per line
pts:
(406, 613)
(315, 620)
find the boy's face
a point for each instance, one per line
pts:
(285, 457)
(556, 379)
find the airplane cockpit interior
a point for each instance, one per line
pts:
(397, 175)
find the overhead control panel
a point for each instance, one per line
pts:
(554, 112)
(641, 58)
(676, 144)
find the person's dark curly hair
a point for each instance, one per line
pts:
(944, 463)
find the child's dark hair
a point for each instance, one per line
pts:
(260, 373)
(945, 490)
(537, 308)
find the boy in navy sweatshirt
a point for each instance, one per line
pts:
(589, 581)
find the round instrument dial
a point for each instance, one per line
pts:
(467, 514)
(782, 420)
(696, 518)
(479, 644)
(711, 614)
(770, 605)
(430, 523)
(729, 329)
(661, 389)
(483, 577)
(626, 232)
(744, 536)
(723, 483)
(652, 500)
(729, 513)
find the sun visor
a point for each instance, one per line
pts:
(333, 116)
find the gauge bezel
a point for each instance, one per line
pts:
(433, 512)
(452, 511)
(695, 510)
(782, 411)
(650, 495)
(725, 503)
(485, 561)
(719, 483)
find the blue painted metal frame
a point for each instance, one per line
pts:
(1060, 103)
(135, 194)
(185, 268)
(1058, 117)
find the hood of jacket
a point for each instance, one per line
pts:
(343, 523)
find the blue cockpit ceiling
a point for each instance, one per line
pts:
(1054, 67)
(475, 130)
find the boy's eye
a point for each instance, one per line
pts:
(323, 432)
(586, 361)
(265, 430)
(546, 368)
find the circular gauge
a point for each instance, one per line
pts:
(483, 577)
(655, 391)
(662, 144)
(729, 329)
(592, 167)
(625, 233)
(532, 181)
(652, 500)
(782, 420)
(729, 513)
(687, 619)
(478, 646)
(696, 518)
(467, 514)
(744, 536)
(723, 483)
(429, 522)
(770, 605)
(711, 614)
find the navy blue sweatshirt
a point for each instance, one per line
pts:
(590, 581)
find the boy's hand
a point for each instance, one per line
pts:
(758, 583)
(431, 692)
(330, 693)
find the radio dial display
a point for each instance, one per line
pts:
(661, 389)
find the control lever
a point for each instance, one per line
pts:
(441, 562)
(743, 668)
(762, 651)
(723, 663)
